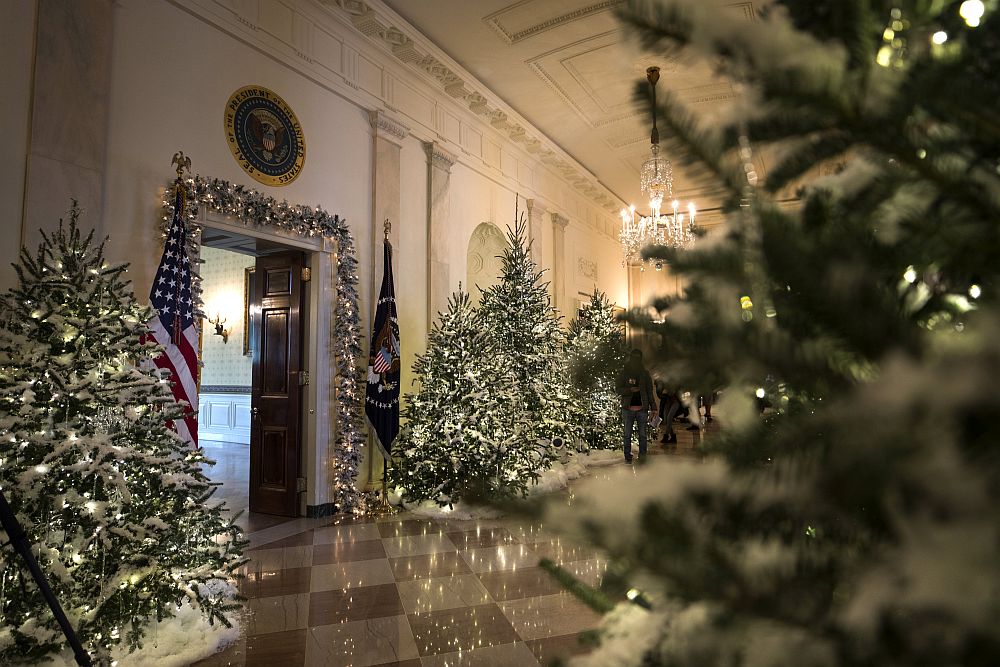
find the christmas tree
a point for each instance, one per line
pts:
(859, 524)
(595, 349)
(115, 505)
(461, 435)
(529, 343)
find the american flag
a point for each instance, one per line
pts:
(173, 327)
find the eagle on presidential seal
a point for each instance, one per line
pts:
(269, 132)
(385, 362)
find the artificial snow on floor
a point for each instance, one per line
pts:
(177, 641)
(550, 480)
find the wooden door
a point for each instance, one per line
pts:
(275, 440)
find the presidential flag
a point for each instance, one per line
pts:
(382, 396)
(173, 324)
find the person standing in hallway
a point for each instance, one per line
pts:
(635, 386)
(670, 403)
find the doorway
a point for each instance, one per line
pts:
(250, 418)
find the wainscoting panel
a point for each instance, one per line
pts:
(224, 416)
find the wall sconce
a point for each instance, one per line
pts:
(219, 331)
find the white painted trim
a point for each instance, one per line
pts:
(224, 417)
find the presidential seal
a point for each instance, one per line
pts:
(264, 136)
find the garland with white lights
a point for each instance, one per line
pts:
(255, 209)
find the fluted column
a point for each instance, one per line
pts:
(387, 140)
(536, 212)
(559, 223)
(69, 114)
(439, 164)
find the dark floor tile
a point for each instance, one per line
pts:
(409, 527)
(522, 583)
(483, 537)
(461, 629)
(344, 552)
(302, 539)
(251, 522)
(557, 648)
(405, 663)
(354, 604)
(428, 566)
(287, 649)
(266, 583)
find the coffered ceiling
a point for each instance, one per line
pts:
(569, 68)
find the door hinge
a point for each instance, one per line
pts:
(303, 378)
(306, 274)
(300, 484)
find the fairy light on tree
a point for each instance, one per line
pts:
(115, 502)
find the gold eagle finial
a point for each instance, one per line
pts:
(182, 161)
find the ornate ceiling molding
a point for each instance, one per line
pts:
(512, 36)
(376, 27)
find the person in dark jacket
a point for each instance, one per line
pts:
(635, 386)
(670, 405)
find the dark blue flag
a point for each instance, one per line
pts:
(382, 396)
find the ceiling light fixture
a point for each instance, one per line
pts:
(656, 181)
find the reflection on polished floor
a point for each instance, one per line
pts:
(408, 592)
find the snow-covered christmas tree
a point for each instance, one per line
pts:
(595, 349)
(115, 505)
(461, 432)
(860, 524)
(529, 343)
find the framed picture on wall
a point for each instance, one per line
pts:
(248, 278)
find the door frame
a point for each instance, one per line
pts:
(317, 406)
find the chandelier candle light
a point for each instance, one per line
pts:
(657, 180)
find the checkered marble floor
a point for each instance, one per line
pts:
(407, 592)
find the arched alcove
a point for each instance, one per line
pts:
(483, 259)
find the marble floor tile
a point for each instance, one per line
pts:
(560, 647)
(277, 613)
(355, 604)
(252, 522)
(505, 557)
(461, 629)
(562, 551)
(482, 537)
(457, 590)
(428, 565)
(343, 552)
(416, 545)
(520, 583)
(303, 538)
(375, 641)
(529, 532)
(276, 648)
(278, 559)
(516, 654)
(549, 616)
(410, 527)
(401, 663)
(265, 583)
(351, 574)
(351, 532)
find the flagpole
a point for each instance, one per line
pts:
(385, 464)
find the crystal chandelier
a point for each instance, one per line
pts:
(657, 182)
